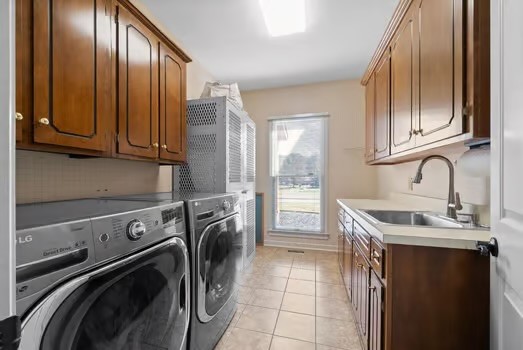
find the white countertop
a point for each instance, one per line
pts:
(411, 235)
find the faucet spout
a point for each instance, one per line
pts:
(452, 205)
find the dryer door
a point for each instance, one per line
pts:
(218, 262)
(140, 302)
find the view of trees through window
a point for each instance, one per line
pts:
(298, 169)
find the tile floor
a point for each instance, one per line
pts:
(292, 301)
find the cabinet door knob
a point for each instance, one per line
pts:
(164, 146)
(155, 145)
(44, 121)
(19, 116)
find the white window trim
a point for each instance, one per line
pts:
(324, 233)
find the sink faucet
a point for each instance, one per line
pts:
(454, 202)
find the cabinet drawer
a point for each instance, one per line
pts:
(348, 224)
(341, 214)
(377, 258)
(362, 239)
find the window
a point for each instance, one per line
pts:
(298, 149)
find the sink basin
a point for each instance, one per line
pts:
(411, 218)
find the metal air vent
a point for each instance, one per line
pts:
(201, 114)
(251, 158)
(199, 174)
(235, 148)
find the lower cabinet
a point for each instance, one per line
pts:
(347, 263)
(408, 297)
(376, 312)
(341, 238)
(360, 293)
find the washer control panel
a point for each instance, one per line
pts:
(119, 234)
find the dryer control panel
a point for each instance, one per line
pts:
(120, 234)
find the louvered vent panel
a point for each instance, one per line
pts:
(199, 174)
(251, 228)
(200, 114)
(251, 159)
(235, 148)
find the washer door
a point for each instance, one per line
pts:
(219, 258)
(141, 302)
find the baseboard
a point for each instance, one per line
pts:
(294, 245)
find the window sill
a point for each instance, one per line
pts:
(298, 234)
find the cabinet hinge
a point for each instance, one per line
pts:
(117, 138)
(467, 111)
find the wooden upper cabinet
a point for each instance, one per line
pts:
(402, 85)
(137, 87)
(172, 106)
(440, 70)
(72, 73)
(369, 118)
(382, 108)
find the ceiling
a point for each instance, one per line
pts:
(229, 38)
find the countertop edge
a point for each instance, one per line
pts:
(388, 238)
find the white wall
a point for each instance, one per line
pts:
(348, 176)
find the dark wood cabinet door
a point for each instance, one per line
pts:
(72, 73)
(376, 313)
(22, 38)
(369, 119)
(137, 87)
(347, 264)
(172, 106)
(360, 293)
(440, 70)
(341, 241)
(402, 86)
(382, 108)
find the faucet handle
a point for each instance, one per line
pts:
(457, 203)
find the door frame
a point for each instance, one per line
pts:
(7, 156)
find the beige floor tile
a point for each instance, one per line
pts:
(296, 326)
(325, 347)
(223, 339)
(249, 280)
(333, 308)
(327, 266)
(272, 283)
(328, 277)
(254, 269)
(333, 291)
(237, 315)
(267, 298)
(301, 287)
(258, 319)
(278, 271)
(303, 304)
(247, 340)
(304, 264)
(279, 343)
(245, 294)
(280, 261)
(301, 274)
(337, 333)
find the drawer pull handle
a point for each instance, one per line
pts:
(359, 266)
(19, 116)
(372, 288)
(44, 121)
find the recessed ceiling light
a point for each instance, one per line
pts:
(283, 17)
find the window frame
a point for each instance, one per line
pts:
(323, 232)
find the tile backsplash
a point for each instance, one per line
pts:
(48, 177)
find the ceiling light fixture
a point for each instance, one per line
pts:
(284, 17)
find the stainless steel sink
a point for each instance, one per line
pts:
(411, 218)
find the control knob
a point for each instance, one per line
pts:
(135, 229)
(226, 205)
